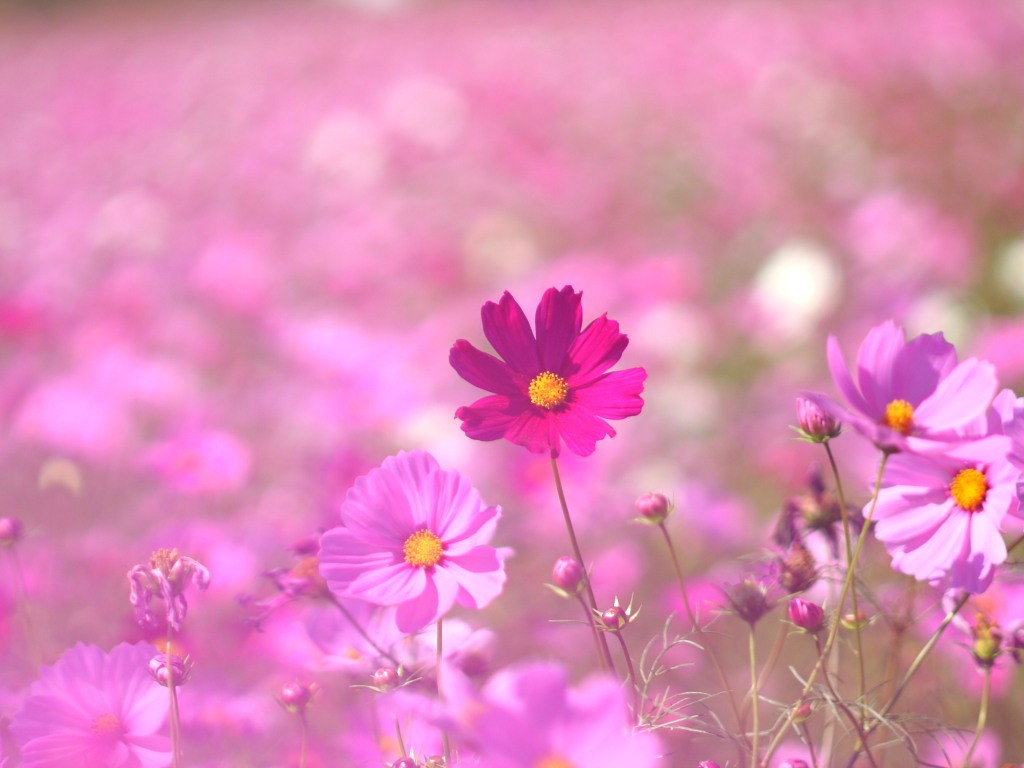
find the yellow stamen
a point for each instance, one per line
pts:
(107, 725)
(163, 560)
(899, 414)
(554, 761)
(969, 488)
(548, 390)
(423, 549)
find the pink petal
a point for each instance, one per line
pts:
(844, 381)
(535, 431)
(960, 398)
(614, 395)
(595, 350)
(483, 370)
(508, 330)
(344, 556)
(875, 361)
(417, 612)
(934, 555)
(920, 366)
(390, 585)
(581, 429)
(492, 417)
(480, 574)
(559, 318)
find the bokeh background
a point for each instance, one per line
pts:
(237, 240)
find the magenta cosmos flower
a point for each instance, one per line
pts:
(551, 387)
(95, 710)
(940, 515)
(414, 536)
(529, 717)
(907, 391)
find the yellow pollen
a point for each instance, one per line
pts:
(548, 390)
(423, 549)
(899, 414)
(554, 761)
(107, 725)
(163, 560)
(969, 488)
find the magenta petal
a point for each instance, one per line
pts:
(388, 585)
(844, 381)
(614, 395)
(920, 366)
(480, 574)
(508, 330)
(491, 418)
(876, 359)
(595, 350)
(960, 398)
(463, 534)
(413, 615)
(581, 430)
(535, 431)
(344, 556)
(559, 318)
(483, 370)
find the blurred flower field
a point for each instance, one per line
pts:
(239, 240)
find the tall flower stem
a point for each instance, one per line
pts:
(841, 496)
(305, 740)
(986, 694)
(834, 632)
(810, 744)
(25, 610)
(362, 632)
(437, 674)
(605, 652)
(854, 723)
(756, 698)
(695, 622)
(594, 631)
(175, 717)
(398, 735)
(769, 666)
(633, 679)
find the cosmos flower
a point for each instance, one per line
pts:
(95, 710)
(528, 717)
(550, 388)
(167, 576)
(908, 391)
(941, 514)
(415, 536)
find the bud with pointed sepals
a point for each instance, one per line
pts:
(295, 697)
(809, 616)
(815, 423)
(386, 679)
(653, 508)
(568, 576)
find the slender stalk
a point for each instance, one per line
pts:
(854, 723)
(841, 497)
(810, 744)
(362, 632)
(633, 679)
(756, 700)
(25, 610)
(986, 694)
(769, 666)
(593, 630)
(175, 717)
(401, 741)
(842, 601)
(605, 653)
(437, 673)
(722, 679)
(305, 740)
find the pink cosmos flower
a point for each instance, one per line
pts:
(941, 514)
(527, 716)
(415, 536)
(907, 391)
(551, 387)
(95, 710)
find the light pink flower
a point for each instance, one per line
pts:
(415, 536)
(95, 710)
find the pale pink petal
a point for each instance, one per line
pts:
(961, 397)
(390, 585)
(844, 381)
(920, 366)
(875, 361)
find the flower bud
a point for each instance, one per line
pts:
(795, 762)
(386, 678)
(653, 507)
(1017, 644)
(568, 575)
(853, 620)
(816, 424)
(180, 669)
(615, 618)
(809, 616)
(707, 764)
(988, 641)
(434, 761)
(295, 697)
(802, 712)
(11, 530)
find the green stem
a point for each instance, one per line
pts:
(25, 609)
(756, 699)
(835, 625)
(633, 679)
(986, 694)
(305, 740)
(605, 653)
(437, 673)
(593, 630)
(854, 723)
(401, 741)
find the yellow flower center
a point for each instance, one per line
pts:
(423, 549)
(548, 390)
(969, 488)
(899, 414)
(554, 761)
(163, 560)
(107, 726)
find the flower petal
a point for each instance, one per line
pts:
(581, 429)
(492, 417)
(508, 330)
(595, 350)
(614, 395)
(416, 613)
(344, 556)
(480, 574)
(921, 365)
(559, 318)
(875, 360)
(961, 397)
(844, 381)
(388, 585)
(483, 370)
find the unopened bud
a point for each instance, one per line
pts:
(988, 640)
(295, 697)
(816, 424)
(653, 507)
(809, 616)
(386, 678)
(615, 618)
(801, 712)
(568, 575)
(11, 530)
(852, 621)
(162, 672)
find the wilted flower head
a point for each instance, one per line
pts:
(797, 568)
(749, 600)
(93, 708)
(550, 388)
(167, 576)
